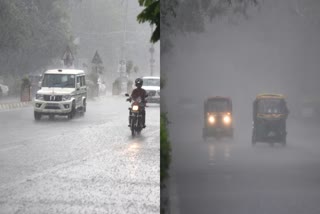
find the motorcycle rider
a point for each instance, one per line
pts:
(139, 92)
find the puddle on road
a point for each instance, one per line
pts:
(219, 151)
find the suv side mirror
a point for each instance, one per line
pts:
(39, 84)
(78, 85)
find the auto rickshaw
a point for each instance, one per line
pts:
(217, 118)
(270, 113)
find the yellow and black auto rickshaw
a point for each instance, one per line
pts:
(217, 117)
(270, 113)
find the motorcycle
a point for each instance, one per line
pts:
(135, 115)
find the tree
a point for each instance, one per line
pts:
(136, 69)
(190, 16)
(151, 14)
(129, 67)
(32, 33)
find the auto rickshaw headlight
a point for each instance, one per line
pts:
(226, 119)
(211, 119)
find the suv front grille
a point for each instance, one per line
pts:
(151, 93)
(52, 97)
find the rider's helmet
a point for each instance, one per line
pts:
(138, 82)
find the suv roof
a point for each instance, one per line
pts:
(218, 97)
(64, 71)
(151, 77)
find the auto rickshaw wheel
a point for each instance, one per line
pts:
(204, 134)
(284, 141)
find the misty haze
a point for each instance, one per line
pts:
(275, 50)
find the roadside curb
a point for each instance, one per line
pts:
(8, 106)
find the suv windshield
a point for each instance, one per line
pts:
(151, 82)
(271, 106)
(218, 106)
(59, 80)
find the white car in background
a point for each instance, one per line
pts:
(152, 86)
(4, 90)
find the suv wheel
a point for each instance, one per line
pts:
(84, 106)
(72, 112)
(37, 116)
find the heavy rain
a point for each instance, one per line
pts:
(66, 143)
(270, 47)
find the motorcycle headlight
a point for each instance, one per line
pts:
(39, 96)
(226, 119)
(135, 108)
(66, 97)
(211, 119)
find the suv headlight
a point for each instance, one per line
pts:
(39, 96)
(66, 97)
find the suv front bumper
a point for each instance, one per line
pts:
(153, 99)
(46, 107)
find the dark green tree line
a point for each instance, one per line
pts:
(32, 33)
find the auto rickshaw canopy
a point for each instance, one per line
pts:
(270, 96)
(218, 103)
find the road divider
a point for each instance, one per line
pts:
(8, 106)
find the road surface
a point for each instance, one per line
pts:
(232, 177)
(86, 165)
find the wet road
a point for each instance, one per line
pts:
(86, 165)
(232, 177)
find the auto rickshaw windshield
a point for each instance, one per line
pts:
(218, 106)
(271, 106)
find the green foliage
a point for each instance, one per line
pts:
(151, 14)
(165, 148)
(136, 69)
(190, 16)
(129, 65)
(32, 33)
(26, 83)
(162, 81)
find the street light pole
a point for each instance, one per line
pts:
(123, 49)
(151, 50)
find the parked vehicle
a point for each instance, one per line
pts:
(217, 117)
(4, 90)
(62, 92)
(269, 119)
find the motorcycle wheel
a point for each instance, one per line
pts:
(132, 127)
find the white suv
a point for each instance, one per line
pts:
(62, 92)
(152, 86)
